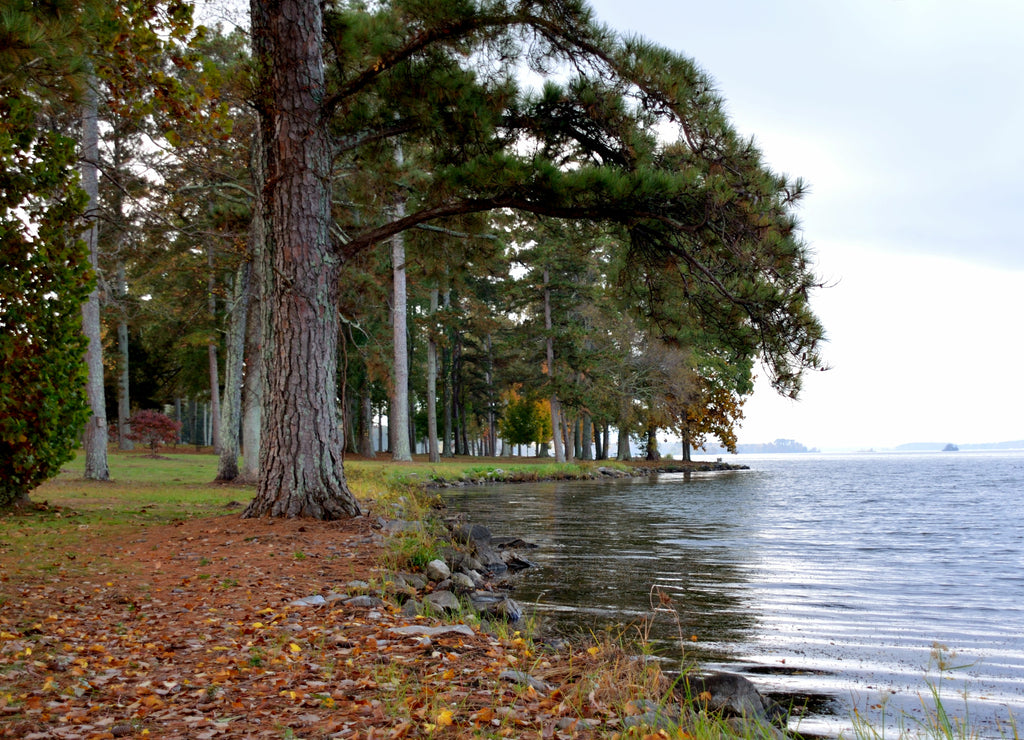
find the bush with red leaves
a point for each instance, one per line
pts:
(153, 429)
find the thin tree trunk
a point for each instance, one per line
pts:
(556, 414)
(433, 450)
(211, 350)
(301, 454)
(231, 410)
(492, 419)
(178, 417)
(449, 391)
(606, 440)
(569, 429)
(398, 417)
(95, 435)
(586, 438)
(366, 421)
(258, 322)
(124, 409)
(252, 391)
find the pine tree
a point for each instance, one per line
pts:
(442, 76)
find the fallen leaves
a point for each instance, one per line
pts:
(160, 651)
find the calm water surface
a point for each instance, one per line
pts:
(833, 576)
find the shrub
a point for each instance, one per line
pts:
(44, 278)
(153, 429)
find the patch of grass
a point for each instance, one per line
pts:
(410, 550)
(143, 491)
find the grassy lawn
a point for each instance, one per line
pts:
(145, 491)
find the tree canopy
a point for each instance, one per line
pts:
(657, 258)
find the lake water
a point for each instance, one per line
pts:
(826, 576)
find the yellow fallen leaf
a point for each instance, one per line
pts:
(295, 648)
(444, 719)
(593, 650)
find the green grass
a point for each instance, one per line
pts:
(142, 491)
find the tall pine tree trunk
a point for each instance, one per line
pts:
(492, 418)
(365, 420)
(231, 409)
(301, 455)
(95, 435)
(586, 438)
(433, 450)
(556, 413)
(252, 391)
(258, 322)
(124, 408)
(398, 416)
(448, 393)
(211, 351)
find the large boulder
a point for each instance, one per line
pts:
(734, 696)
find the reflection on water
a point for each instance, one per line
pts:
(814, 573)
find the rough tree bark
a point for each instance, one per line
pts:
(95, 435)
(301, 453)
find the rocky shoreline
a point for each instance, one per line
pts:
(476, 571)
(635, 469)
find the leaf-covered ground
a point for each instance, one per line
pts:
(186, 630)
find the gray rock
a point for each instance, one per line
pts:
(462, 582)
(525, 679)
(505, 609)
(437, 570)
(733, 695)
(357, 586)
(364, 601)
(316, 600)
(414, 580)
(443, 601)
(471, 534)
(514, 562)
(475, 577)
(411, 608)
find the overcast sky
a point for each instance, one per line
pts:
(906, 119)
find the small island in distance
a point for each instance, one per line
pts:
(790, 445)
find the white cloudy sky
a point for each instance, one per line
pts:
(906, 118)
